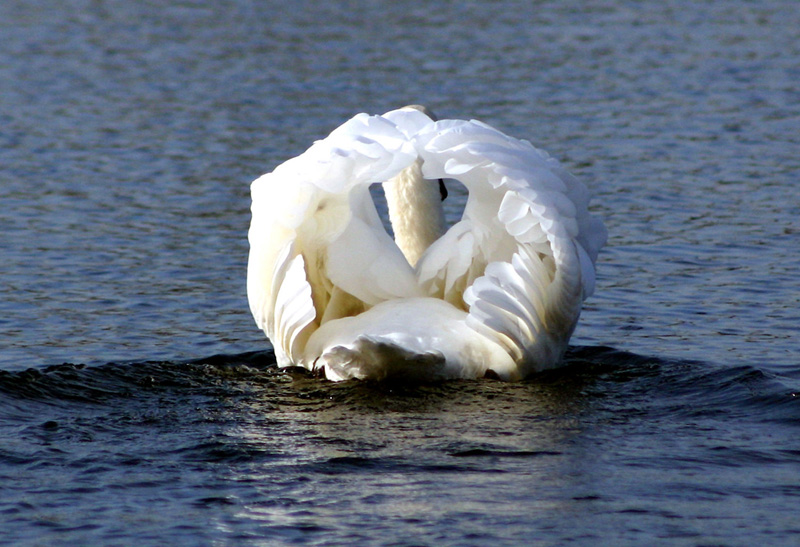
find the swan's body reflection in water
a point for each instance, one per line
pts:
(497, 294)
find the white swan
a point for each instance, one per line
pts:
(497, 294)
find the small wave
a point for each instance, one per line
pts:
(484, 452)
(688, 387)
(591, 373)
(97, 384)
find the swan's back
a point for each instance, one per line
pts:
(501, 290)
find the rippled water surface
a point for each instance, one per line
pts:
(129, 134)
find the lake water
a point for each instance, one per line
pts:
(140, 405)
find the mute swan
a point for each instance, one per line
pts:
(497, 294)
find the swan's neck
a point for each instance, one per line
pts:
(415, 211)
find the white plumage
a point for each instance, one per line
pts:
(498, 293)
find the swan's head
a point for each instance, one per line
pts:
(424, 109)
(428, 112)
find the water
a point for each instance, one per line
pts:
(129, 133)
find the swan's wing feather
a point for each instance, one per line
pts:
(365, 262)
(531, 232)
(316, 239)
(443, 270)
(293, 309)
(288, 308)
(364, 149)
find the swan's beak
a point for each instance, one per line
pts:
(442, 189)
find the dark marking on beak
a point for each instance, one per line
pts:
(442, 190)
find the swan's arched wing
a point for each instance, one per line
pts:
(318, 250)
(284, 306)
(533, 242)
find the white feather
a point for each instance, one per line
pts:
(500, 291)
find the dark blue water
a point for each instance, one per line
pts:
(129, 134)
